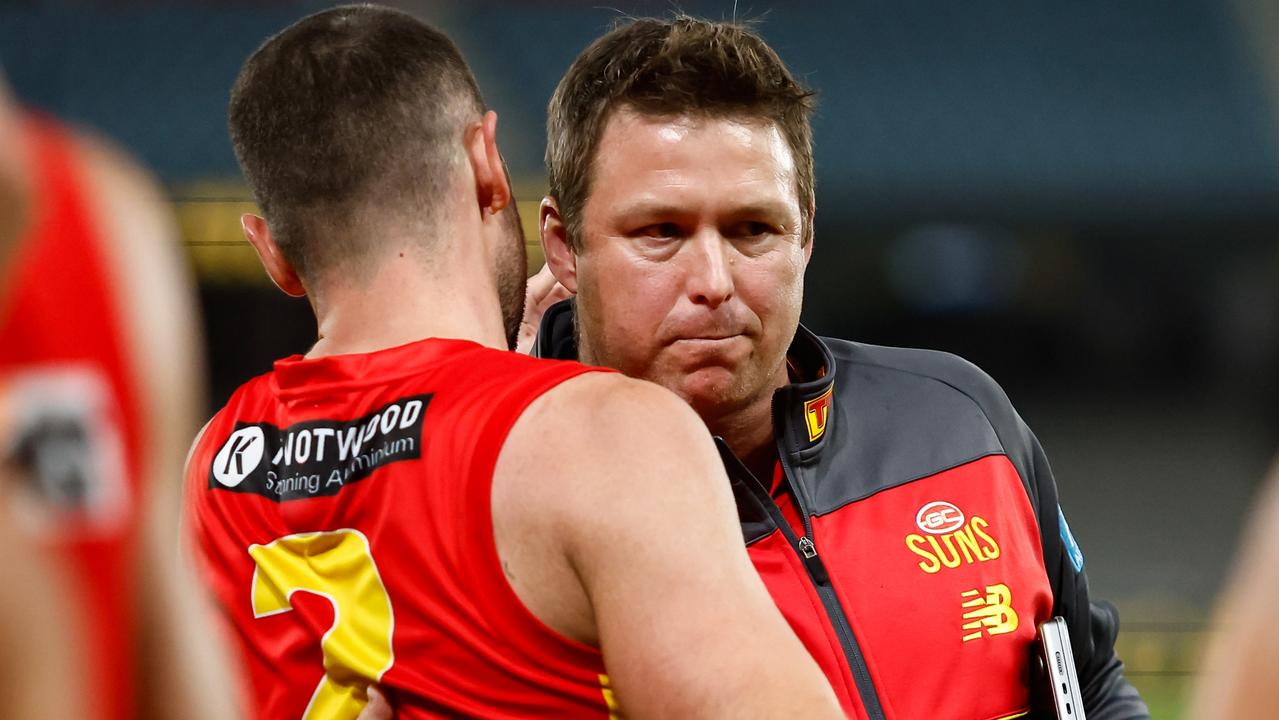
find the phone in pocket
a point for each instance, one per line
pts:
(1059, 684)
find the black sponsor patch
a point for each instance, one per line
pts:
(317, 458)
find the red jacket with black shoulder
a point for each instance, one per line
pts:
(912, 535)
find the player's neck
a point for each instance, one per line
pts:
(401, 304)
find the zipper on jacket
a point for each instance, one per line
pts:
(807, 547)
(807, 550)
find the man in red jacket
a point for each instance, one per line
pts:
(901, 514)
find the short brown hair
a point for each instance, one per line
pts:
(678, 67)
(351, 112)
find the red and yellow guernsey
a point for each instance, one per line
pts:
(342, 509)
(72, 412)
(911, 535)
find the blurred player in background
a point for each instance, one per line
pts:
(99, 382)
(902, 514)
(482, 533)
(39, 669)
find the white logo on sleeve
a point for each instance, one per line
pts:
(239, 456)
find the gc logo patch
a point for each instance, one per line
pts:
(939, 517)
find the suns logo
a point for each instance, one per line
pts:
(949, 541)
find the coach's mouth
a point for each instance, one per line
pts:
(709, 344)
(708, 337)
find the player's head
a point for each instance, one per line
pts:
(681, 206)
(363, 136)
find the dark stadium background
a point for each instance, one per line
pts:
(1082, 198)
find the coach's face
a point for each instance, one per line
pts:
(691, 267)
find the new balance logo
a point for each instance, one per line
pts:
(991, 613)
(239, 456)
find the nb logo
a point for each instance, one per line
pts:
(991, 613)
(239, 456)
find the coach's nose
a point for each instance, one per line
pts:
(710, 271)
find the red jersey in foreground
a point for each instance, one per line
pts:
(73, 411)
(342, 507)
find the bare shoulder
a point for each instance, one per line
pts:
(133, 216)
(120, 181)
(611, 406)
(152, 291)
(132, 213)
(598, 420)
(607, 438)
(105, 158)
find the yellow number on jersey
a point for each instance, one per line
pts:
(338, 566)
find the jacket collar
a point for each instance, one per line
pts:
(803, 411)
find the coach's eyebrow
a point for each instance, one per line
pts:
(762, 209)
(646, 209)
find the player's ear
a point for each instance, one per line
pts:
(258, 233)
(560, 256)
(492, 186)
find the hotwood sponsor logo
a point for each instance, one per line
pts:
(317, 458)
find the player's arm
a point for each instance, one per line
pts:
(622, 482)
(40, 673)
(184, 670)
(1242, 662)
(1093, 626)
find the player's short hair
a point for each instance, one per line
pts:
(671, 68)
(346, 116)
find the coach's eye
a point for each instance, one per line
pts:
(659, 230)
(751, 229)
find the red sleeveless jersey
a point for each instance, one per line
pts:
(74, 411)
(342, 509)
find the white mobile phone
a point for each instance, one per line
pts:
(1057, 666)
